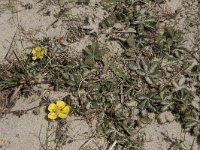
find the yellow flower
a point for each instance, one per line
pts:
(38, 53)
(58, 110)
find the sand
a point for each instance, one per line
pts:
(28, 132)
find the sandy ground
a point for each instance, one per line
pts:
(29, 130)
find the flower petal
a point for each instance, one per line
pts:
(60, 104)
(33, 51)
(52, 116)
(41, 56)
(38, 49)
(52, 107)
(42, 52)
(34, 58)
(66, 109)
(62, 115)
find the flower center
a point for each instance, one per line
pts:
(57, 111)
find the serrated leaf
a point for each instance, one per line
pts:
(108, 22)
(119, 71)
(182, 81)
(106, 62)
(196, 130)
(92, 54)
(131, 104)
(153, 67)
(166, 107)
(90, 61)
(140, 72)
(107, 3)
(143, 104)
(144, 65)
(131, 41)
(130, 52)
(133, 66)
(148, 80)
(142, 97)
(190, 124)
(145, 120)
(195, 69)
(151, 107)
(71, 83)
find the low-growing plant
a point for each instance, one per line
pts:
(147, 76)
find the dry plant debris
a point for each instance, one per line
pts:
(153, 74)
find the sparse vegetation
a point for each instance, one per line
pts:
(154, 73)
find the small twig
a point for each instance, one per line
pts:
(86, 143)
(79, 86)
(14, 94)
(52, 24)
(41, 144)
(10, 49)
(122, 94)
(126, 31)
(19, 111)
(113, 145)
(193, 142)
(21, 64)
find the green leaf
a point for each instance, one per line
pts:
(144, 65)
(145, 119)
(108, 22)
(196, 130)
(92, 54)
(148, 80)
(133, 66)
(153, 67)
(131, 41)
(195, 69)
